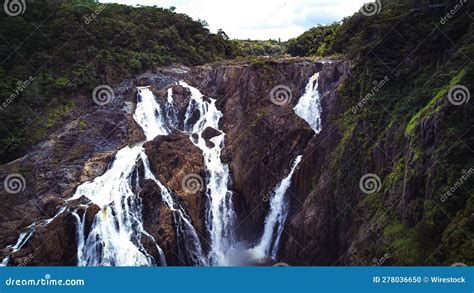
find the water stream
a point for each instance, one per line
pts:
(220, 215)
(276, 218)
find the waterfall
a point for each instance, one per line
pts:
(220, 215)
(149, 114)
(309, 105)
(22, 239)
(276, 218)
(115, 236)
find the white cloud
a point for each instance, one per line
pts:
(259, 19)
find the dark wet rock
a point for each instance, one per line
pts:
(175, 160)
(262, 139)
(209, 133)
(96, 166)
(50, 245)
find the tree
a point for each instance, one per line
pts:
(222, 33)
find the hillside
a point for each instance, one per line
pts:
(398, 118)
(60, 49)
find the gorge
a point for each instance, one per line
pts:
(171, 148)
(109, 220)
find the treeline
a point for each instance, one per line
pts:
(270, 48)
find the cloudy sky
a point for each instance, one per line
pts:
(259, 19)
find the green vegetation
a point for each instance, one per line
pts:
(312, 42)
(259, 48)
(70, 47)
(426, 140)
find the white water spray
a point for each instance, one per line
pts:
(221, 215)
(115, 236)
(309, 105)
(276, 218)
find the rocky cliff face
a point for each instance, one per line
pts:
(403, 218)
(262, 139)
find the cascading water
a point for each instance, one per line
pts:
(149, 115)
(276, 218)
(308, 108)
(221, 215)
(116, 232)
(309, 105)
(115, 237)
(22, 239)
